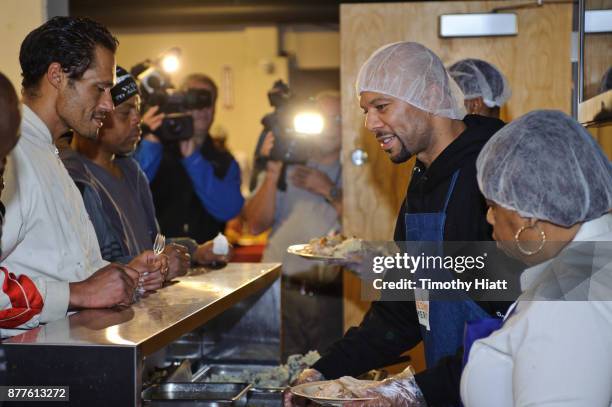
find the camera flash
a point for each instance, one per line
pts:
(170, 63)
(308, 123)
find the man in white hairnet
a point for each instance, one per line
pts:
(484, 87)
(414, 108)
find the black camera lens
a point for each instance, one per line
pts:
(176, 127)
(197, 99)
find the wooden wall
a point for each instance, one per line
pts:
(536, 63)
(597, 53)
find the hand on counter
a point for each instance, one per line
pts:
(152, 269)
(112, 285)
(204, 255)
(307, 376)
(179, 260)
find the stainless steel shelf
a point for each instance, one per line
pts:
(163, 316)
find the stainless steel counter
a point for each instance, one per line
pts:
(114, 342)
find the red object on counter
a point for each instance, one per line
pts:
(248, 254)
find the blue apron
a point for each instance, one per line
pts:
(442, 323)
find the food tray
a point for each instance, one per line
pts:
(197, 394)
(208, 370)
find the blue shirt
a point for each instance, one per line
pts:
(220, 196)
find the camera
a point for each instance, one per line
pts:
(293, 125)
(157, 90)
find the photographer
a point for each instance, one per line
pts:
(309, 207)
(195, 185)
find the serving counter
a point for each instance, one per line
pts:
(105, 357)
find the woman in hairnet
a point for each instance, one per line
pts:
(484, 87)
(549, 190)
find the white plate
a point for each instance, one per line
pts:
(307, 390)
(303, 250)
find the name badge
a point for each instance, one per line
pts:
(422, 307)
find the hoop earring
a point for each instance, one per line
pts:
(518, 242)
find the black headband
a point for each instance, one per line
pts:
(125, 88)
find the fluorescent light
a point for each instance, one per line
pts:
(597, 21)
(478, 25)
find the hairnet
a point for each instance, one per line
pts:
(410, 72)
(478, 78)
(545, 165)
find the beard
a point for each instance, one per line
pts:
(71, 112)
(403, 156)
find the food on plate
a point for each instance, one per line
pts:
(334, 246)
(343, 388)
(333, 389)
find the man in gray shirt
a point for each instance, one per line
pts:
(115, 190)
(309, 207)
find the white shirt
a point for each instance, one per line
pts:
(548, 353)
(47, 234)
(300, 215)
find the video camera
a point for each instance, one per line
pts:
(293, 125)
(157, 90)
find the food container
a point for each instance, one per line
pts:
(209, 370)
(186, 347)
(196, 394)
(265, 398)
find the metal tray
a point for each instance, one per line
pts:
(265, 398)
(208, 370)
(197, 394)
(188, 346)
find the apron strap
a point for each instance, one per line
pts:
(449, 193)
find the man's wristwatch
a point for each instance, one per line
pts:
(334, 194)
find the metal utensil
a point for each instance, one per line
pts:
(160, 244)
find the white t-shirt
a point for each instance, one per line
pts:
(548, 353)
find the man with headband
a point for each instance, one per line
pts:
(414, 108)
(115, 190)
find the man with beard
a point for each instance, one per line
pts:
(23, 299)
(115, 190)
(414, 108)
(68, 69)
(309, 207)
